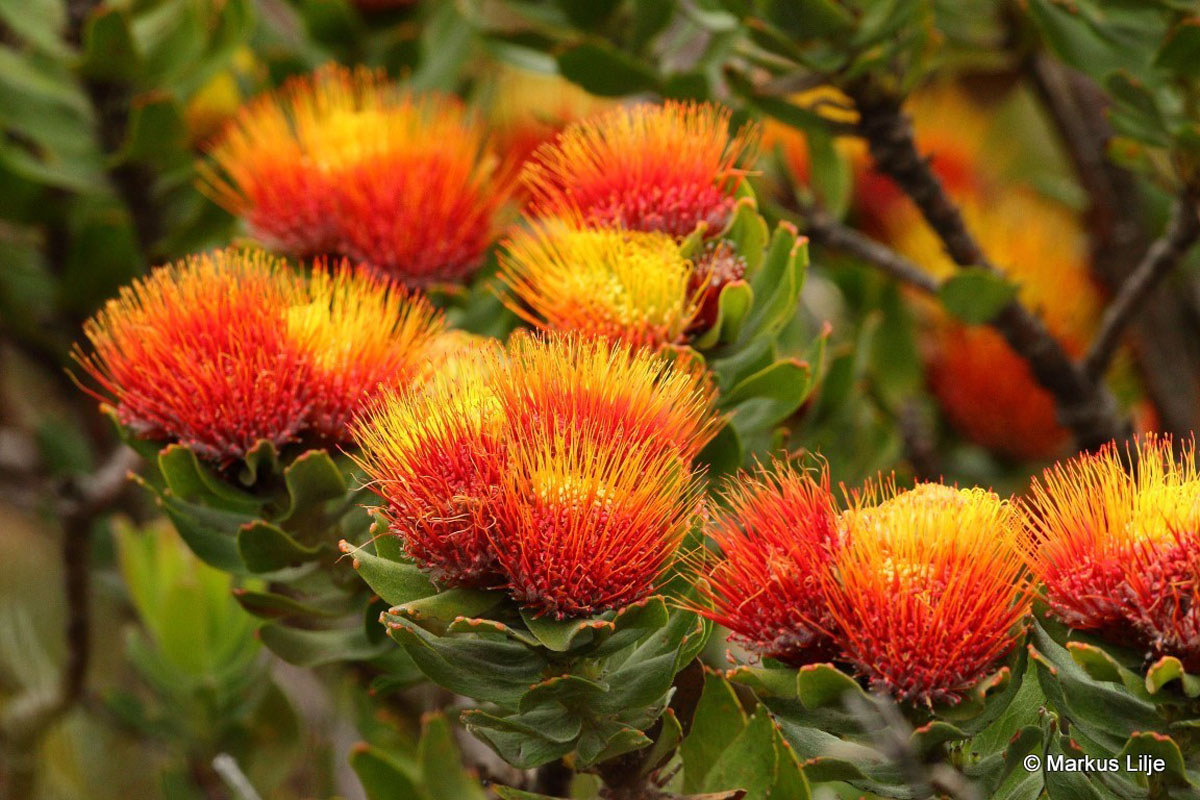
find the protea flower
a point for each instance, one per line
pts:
(663, 168)
(343, 163)
(774, 541)
(623, 285)
(361, 332)
(435, 453)
(199, 352)
(586, 521)
(1112, 541)
(985, 389)
(929, 590)
(565, 382)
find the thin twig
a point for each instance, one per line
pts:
(1084, 404)
(1164, 332)
(1160, 259)
(823, 229)
(31, 716)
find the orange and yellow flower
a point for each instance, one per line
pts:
(199, 352)
(986, 390)
(622, 285)
(655, 168)
(435, 453)
(929, 589)
(1110, 537)
(563, 382)
(586, 521)
(344, 163)
(361, 332)
(778, 534)
(559, 469)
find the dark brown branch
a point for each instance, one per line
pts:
(1084, 405)
(1162, 257)
(31, 716)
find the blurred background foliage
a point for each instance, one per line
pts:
(1089, 107)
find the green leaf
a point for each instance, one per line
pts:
(770, 395)
(498, 671)
(669, 736)
(314, 648)
(555, 634)
(157, 132)
(381, 777)
(976, 295)
(264, 547)
(194, 482)
(1168, 669)
(723, 454)
(790, 783)
(436, 611)
(312, 481)
(588, 15)
(734, 302)
(605, 71)
(1157, 745)
(441, 763)
(209, 533)
(718, 720)
(1180, 51)
(109, 50)
(810, 19)
(766, 681)
(277, 606)
(777, 285)
(750, 762)
(508, 793)
(396, 582)
(820, 685)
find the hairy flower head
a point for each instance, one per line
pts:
(1106, 533)
(435, 453)
(342, 162)
(777, 537)
(623, 285)
(199, 352)
(929, 589)
(562, 382)
(587, 522)
(662, 168)
(361, 332)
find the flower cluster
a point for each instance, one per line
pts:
(921, 592)
(1113, 537)
(559, 469)
(612, 199)
(222, 351)
(344, 163)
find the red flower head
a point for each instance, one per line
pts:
(779, 532)
(435, 453)
(929, 590)
(987, 391)
(361, 332)
(588, 521)
(659, 168)
(1115, 549)
(199, 352)
(565, 382)
(341, 162)
(622, 285)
